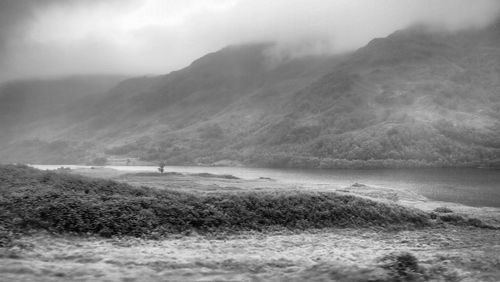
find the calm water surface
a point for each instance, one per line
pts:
(474, 187)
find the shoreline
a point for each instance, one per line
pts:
(200, 184)
(415, 199)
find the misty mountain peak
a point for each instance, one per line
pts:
(233, 60)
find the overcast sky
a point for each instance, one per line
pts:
(65, 37)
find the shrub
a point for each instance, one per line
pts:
(33, 199)
(443, 210)
(403, 267)
(452, 218)
(6, 238)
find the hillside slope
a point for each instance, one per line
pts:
(419, 97)
(182, 107)
(35, 114)
(425, 96)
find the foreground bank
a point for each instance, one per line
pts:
(180, 230)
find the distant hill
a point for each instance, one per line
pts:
(33, 112)
(419, 97)
(26, 101)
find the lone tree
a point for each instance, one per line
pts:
(161, 167)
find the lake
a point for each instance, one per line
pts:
(473, 187)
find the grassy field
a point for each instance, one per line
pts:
(430, 254)
(57, 226)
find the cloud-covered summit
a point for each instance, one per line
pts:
(56, 37)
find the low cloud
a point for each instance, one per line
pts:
(56, 37)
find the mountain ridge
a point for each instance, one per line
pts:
(415, 98)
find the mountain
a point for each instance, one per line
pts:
(152, 111)
(33, 111)
(419, 97)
